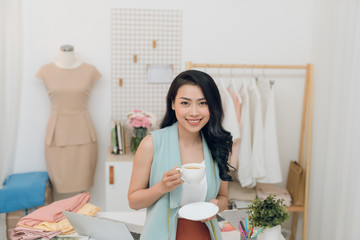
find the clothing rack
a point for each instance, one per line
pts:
(306, 130)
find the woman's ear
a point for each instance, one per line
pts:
(173, 105)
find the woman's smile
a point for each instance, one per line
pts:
(193, 121)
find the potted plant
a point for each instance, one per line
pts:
(268, 214)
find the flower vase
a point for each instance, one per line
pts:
(138, 134)
(273, 233)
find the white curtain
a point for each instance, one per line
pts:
(10, 81)
(10, 87)
(334, 211)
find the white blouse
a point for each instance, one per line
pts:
(194, 192)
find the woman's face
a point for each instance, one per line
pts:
(191, 109)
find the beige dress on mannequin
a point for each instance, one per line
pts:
(71, 149)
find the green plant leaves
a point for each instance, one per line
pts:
(267, 213)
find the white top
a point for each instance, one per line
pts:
(257, 139)
(194, 192)
(245, 168)
(271, 150)
(230, 118)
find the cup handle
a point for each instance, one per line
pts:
(181, 171)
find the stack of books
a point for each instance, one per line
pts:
(118, 139)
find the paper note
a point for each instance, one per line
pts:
(159, 73)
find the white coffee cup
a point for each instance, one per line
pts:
(192, 173)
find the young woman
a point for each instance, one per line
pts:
(191, 132)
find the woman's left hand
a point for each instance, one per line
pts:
(216, 202)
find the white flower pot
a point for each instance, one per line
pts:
(273, 233)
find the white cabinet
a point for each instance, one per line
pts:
(118, 173)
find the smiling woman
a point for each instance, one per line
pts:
(191, 132)
(191, 109)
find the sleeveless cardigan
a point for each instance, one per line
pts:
(161, 217)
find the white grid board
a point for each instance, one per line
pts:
(132, 33)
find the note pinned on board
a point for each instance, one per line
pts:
(159, 73)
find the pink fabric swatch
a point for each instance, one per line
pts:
(21, 233)
(53, 212)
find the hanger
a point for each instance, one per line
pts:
(253, 81)
(221, 80)
(272, 82)
(253, 75)
(243, 76)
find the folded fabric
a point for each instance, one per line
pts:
(263, 190)
(22, 191)
(64, 225)
(21, 233)
(88, 210)
(53, 212)
(237, 192)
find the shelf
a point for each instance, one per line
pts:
(295, 208)
(128, 157)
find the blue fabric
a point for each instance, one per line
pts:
(161, 217)
(23, 190)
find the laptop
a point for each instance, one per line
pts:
(98, 229)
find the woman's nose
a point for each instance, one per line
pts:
(194, 110)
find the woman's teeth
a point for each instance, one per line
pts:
(194, 121)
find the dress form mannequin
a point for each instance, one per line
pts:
(67, 58)
(70, 143)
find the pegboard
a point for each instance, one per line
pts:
(140, 38)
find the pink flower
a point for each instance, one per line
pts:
(137, 123)
(146, 123)
(140, 119)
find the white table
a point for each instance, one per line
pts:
(138, 218)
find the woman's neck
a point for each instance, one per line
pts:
(67, 60)
(188, 138)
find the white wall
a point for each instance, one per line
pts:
(228, 31)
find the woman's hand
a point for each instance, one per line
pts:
(216, 202)
(140, 195)
(170, 180)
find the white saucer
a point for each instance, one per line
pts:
(198, 211)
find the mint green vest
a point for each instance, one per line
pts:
(161, 217)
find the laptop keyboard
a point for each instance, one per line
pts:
(135, 235)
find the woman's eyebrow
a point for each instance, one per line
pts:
(189, 99)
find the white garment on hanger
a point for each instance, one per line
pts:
(271, 150)
(233, 89)
(229, 111)
(256, 131)
(245, 170)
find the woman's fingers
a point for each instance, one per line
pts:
(171, 179)
(209, 219)
(172, 174)
(216, 202)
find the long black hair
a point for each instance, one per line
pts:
(218, 139)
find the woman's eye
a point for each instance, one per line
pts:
(184, 103)
(203, 103)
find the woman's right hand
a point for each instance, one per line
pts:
(170, 180)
